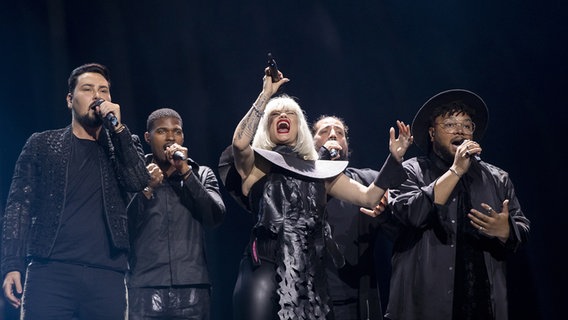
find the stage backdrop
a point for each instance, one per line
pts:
(370, 62)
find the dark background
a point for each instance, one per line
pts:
(370, 62)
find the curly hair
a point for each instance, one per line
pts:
(448, 109)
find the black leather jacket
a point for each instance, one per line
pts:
(168, 230)
(37, 194)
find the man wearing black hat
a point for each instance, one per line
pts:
(459, 218)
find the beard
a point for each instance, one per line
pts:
(87, 120)
(444, 153)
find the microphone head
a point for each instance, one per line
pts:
(178, 155)
(96, 103)
(333, 153)
(273, 68)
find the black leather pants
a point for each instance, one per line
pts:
(254, 296)
(169, 303)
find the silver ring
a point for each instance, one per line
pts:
(489, 210)
(480, 228)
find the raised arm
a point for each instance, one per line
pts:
(246, 129)
(391, 174)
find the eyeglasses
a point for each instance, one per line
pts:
(467, 127)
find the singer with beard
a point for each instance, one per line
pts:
(459, 219)
(168, 277)
(65, 231)
(363, 242)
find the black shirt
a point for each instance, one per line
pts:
(83, 236)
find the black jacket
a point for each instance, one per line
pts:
(424, 251)
(39, 185)
(167, 230)
(357, 236)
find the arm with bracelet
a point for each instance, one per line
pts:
(246, 129)
(390, 175)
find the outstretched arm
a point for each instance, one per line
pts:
(246, 129)
(390, 175)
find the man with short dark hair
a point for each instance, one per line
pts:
(168, 277)
(65, 218)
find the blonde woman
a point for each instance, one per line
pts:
(272, 168)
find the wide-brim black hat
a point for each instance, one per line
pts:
(421, 122)
(318, 169)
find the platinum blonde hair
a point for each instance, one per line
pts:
(304, 142)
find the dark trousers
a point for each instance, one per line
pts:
(186, 302)
(346, 311)
(60, 291)
(254, 295)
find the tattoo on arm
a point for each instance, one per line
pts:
(247, 129)
(249, 125)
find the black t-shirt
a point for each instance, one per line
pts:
(83, 236)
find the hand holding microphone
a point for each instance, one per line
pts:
(110, 116)
(273, 79)
(175, 152)
(177, 156)
(334, 149)
(467, 151)
(473, 150)
(273, 68)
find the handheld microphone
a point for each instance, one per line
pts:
(333, 153)
(110, 117)
(475, 156)
(96, 103)
(178, 155)
(273, 69)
